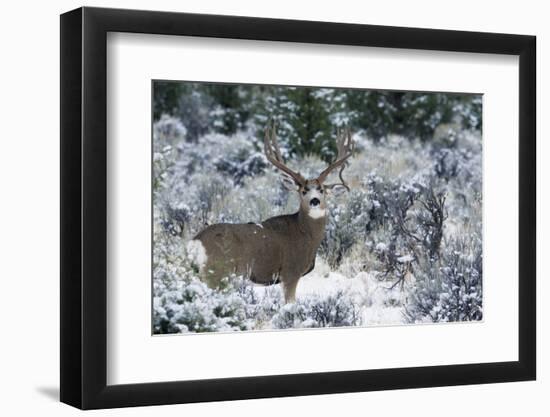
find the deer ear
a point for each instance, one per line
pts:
(289, 183)
(336, 189)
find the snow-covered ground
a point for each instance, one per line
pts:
(380, 305)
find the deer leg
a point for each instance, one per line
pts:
(289, 288)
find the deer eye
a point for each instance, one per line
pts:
(321, 191)
(304, 192)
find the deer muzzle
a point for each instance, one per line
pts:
(314, 202)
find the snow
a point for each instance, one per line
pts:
(381, 247)
(405, 258)
(374, 297)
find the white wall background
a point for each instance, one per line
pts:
(29, 175)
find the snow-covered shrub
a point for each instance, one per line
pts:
(260, 308)
(427, 217)
(450, 163)
(163, 161)
(451, 289)
(391, 199)
(194, 111)
(334, 310)
(257, 199)
(456, 154)
(388, 225)
(406, 223)
(168, 131)
(469, 112)
(188, 206)
(234, 157)
(346, 224)
(198, 308)
(446, 163)
(237, 157)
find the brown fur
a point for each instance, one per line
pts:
(281, 249)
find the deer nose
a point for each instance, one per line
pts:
(314, 202)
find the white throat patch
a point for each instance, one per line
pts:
(316, 212)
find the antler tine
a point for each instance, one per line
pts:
(342, 182)
(273, 154)
(345, 147)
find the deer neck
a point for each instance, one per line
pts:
(313, 228)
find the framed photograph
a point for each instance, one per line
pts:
(256, 208)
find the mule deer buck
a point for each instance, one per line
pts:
(281, 249)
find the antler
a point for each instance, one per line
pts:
(273, 155)
(345, 146)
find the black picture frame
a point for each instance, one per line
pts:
(84, 207)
